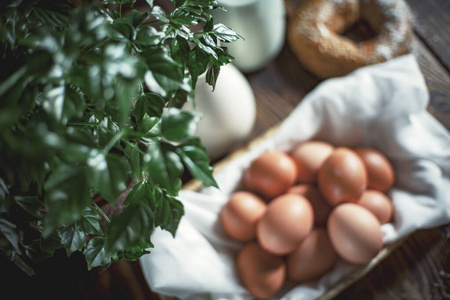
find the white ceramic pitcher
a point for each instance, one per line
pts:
(262, 24)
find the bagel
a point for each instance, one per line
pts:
(315, 34)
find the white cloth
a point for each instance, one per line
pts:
(382, 106)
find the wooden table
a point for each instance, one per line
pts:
(417, 269)
(420, 267)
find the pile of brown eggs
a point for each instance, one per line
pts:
(298, 212)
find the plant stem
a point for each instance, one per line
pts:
(134, 146)
(96, 46)
(113, 141)
(83, 124)
(101, 212)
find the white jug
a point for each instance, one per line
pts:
(262, 24)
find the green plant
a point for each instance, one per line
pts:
(91, 100)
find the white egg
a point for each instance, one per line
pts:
(228, 112)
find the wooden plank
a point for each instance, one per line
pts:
(432, 24)
(419, 269)
(437, 79)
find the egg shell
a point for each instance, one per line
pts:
(355, 233)
(379, 169)
(378, 203)
(309, 157)
(287, 221)
(320, 206)
(228, 111)
(314, 257)
(240, 215)
(262, 273)
(270, 174)
(342, 177)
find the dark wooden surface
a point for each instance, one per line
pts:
(418, 269)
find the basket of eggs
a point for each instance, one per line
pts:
(317, 201)
(299, 211)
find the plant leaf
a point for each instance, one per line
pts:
(169, 211)
(108, 174)
(225, 34)
(133, 253)
(149, 126)
(95, 253)
(9, 232)
(137, 193)
(163, 73)
(196, 159)
(151, 104)
(129, 228)
(148, 36)
(72, 238)
(160, 14)
(31, 204)
(48, 244)
(89, 222)
(164, 169)
(66, 196)
(178, 125)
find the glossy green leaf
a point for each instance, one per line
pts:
(164, 169)
(66, 196)
(31, 204)
(211, 75)
(179, 125)
(95, 253)
(53, 18)
(151, 104)
(134, 17)
(16, 258)
(108, 174)
(125, 31)
(135, 158)
(160, 14)
(72, 238)
(89, 222)
(126, 2)
(49, 243)
(196, 159)
(225, 34)
(129, 228)
(149, 126)
(9, 231)
(148, 36)
(137, 193)
(133, 253)
(169, 212)
(164, 73)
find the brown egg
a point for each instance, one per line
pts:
(355, 233)
(270, 174)
(320, 206)
(314, 257)
(309, 157)
(287, 221)
(263, 274)
(379, 169)
(240, 215)
(378, 203)
(342, 177)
